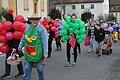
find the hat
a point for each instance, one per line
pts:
(34, 18)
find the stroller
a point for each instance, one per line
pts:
(107, 45)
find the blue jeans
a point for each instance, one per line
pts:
(28, 69)
(91, 43)
(98, 47)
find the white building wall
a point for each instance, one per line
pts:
(45, 12)
(106, 7)
(21, 11)
(30, 12)
(97, 11)
(4, 4)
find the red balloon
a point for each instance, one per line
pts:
(56, 24)
(42, 20)
(3, 32)
(7, 25)
(48, 30)
(9, 35)
(44, 23)
(1, 27)
(19, 18)
(9, 11)
(47, 26)
(17, 25)
(52, 21)
(3, 39)
(54, 28)
(17, 35)
(24, 26)
(4, 48)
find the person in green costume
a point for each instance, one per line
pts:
(35, 43)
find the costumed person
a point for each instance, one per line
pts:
(57, 35)
(73, 32)
(99, 37)
(35, 43)
(51, 27)
(13, 45)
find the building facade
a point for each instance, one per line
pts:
(115, 8)
(27, 8)
(79, 7)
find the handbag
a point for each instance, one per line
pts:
(87, 41)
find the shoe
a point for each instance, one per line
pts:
(99, 55)
(74, 64)
(89, 51)
(5, 76)
(68, 64)
(19, 75)
(49, 56)
(56, 49)
(60, 49)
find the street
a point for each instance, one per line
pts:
(88, 66)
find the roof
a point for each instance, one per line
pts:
(114, 2)
(114, 5)
(78, 1)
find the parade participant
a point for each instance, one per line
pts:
(51, 37)
(13, 45)
(99, 37)
(35, 43)
(90, 33)
(58, 37)
(73, 33)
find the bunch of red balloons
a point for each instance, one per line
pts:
(50, 27)
(6, 34)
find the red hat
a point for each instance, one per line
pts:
(9, 11)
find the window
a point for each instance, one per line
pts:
(82, 6)
(92, 6)
(73, 6)
(26, 5)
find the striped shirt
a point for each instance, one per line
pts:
(90, 29)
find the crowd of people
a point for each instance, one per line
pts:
(35, 43)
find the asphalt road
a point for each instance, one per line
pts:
(88, 66)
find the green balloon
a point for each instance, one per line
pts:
(63, 33)
(75, 26)
(78, 37)
(71, 30)
(66, 37)
(82, 31)
(78, 21)
(76, 32)
(65, 26)
(82, 25)
(71, 24)
(63, 40)
(79, 40)
(82, 37)
(68, 19)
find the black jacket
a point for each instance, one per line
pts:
(99, 35)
